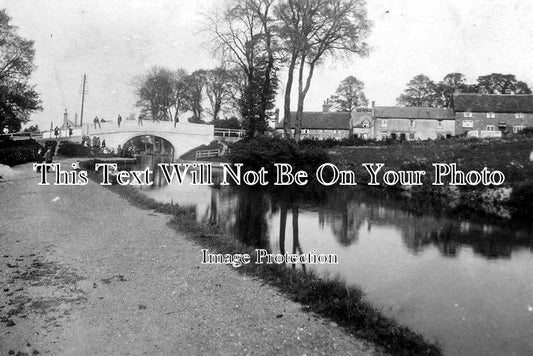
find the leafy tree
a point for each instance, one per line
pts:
(231, 123)
(32, 128)
(219, 90)
(18, 99)
(349, 95)
(497, 83)
(179, 91)
(450, 84)
(314, 30)
(193, 93)
(421, 92)
(155, 92)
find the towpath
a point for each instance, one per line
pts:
(83, 272)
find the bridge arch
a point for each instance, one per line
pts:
(148, 144)
(183, 136)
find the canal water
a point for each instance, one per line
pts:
(464, 284)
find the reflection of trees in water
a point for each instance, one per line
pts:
(251, 225)
(346, 211)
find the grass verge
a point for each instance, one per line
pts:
(327, 298)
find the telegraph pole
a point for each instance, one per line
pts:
(83, 92)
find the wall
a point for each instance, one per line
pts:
(480, 121)
(423, 129)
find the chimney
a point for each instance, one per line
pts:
(373, 109)
(326, 106)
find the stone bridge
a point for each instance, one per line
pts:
(183, 137)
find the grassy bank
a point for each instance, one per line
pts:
(509, 155)
(328, 298)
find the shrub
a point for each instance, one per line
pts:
(70, 149)
(18, 152)
(265, 151)
(521, 200)
(528, 131)
(50, 144)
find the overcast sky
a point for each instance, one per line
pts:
(112, 41)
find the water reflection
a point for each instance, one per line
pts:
(464, 283)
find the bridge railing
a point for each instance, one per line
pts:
(229, 132)
(212, 153)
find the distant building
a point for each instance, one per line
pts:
(322, 125)
(491, 115)
(362, 125)
(411, 123)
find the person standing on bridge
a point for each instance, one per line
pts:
(140, 120)
(97, 122)
(119, 120)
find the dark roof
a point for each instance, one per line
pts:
(398, 112)
(493, 103)
(321, 120)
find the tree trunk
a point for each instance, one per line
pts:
(287, 121)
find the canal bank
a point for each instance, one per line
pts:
(85, 272)
(458, 280)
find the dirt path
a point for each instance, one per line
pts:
(83, 272)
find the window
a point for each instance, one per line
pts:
(384, 123)
(412, 123)
(411, 136)
(519, 115)
(490, 127)
(491, 115)
(468, 123)
(518, 128)
(366, 124)
(467, 114)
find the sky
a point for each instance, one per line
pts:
(112, 41)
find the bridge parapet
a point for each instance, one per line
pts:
(183, 136)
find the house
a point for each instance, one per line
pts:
(491, 115)
(321, 125)
(411, 123)
(362, 124)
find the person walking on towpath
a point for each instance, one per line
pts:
(119, 120)
(48, 155)
(39, 158)
(56, 132)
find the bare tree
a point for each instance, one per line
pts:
(245, 36)
(316, 29)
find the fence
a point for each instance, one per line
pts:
(15, 135)
(212, 153)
